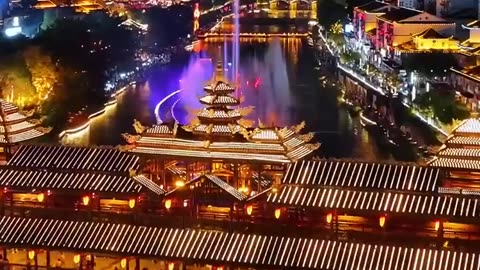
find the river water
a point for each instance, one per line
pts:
(281, 79)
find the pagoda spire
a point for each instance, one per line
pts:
(219, 117)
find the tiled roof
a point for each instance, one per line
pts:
(21, 179)
(399, 14)
(438, 205)
(361, 175)
(372, 6)
(430, 33)
(214, 246)
(74, 158)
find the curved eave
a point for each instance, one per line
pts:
(223, 104)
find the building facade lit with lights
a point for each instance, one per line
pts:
(219, 141)
(392, 30)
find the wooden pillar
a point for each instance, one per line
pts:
(235, 175)
(440, 230)
(36, 261)
(48, 259)
(187, 170)
(137, 263)
(259, 186)
(164, 175)
(335, 215)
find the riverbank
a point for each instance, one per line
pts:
(87, 117)
(431, 123)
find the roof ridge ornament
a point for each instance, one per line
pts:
(131, 138)
(306, 137)
(298, 128)
(139, 128)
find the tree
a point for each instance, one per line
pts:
(443, 105)
(42, 70)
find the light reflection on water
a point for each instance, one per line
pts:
(309, 101)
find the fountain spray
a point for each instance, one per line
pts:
(236, 40)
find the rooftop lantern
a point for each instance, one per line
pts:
(40, 197)
(329, 218)
(278, 213)
(381, 221)
(168, 204)
(76, 258)
(123, 263)
(437, 225)
(31, 254)
(85, 200)
(131, 203)
(249, 209)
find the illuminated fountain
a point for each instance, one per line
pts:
(269, 91)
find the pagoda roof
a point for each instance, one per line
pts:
(219, 100)
(455, 163)
(469, 126)
(219, 87)
(461, 149)
(200, 245)
(227, 137)
(216, 129)
(219, 114)
(18, 127)
(268, 144)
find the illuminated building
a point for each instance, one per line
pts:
(397, 26)
(467, 79)
(429, 41)
(16, 127)
(47, 177)
(220, 141)
(365, 17)
(460, 155)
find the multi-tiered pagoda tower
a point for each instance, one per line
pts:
(218, 118)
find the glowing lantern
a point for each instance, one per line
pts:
(85, 200)
(381, 221)
(249, 210)
(437, 225)
(329, 218)
(123, 263)
(171, 266)
(179, 183)
(76, 258)
(278, 212)
(31, 254)
(131, 203)
(168, 204)
(40, 197)
(185, 203)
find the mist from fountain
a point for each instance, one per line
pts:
(269, 91)
(194, 78)
(236, 40)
